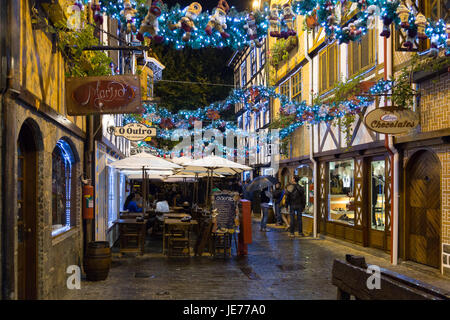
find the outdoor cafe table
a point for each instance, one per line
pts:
(131, 229)
(171, 215)
(178, 224)
(132, 215)
(177, 209)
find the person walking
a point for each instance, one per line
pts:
(265, 200)
(278, 195)
(296, 201)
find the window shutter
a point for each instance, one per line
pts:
(323, 71)
(332, 66)
(365, 51)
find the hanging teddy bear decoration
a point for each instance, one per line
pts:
(288, 18)
(187, 22)
(150, 23)
(98, 16)
(128, 13)
(218, 20)
(275, 23)
(252, 31)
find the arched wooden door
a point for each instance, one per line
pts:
(423, 209)
(26, 214)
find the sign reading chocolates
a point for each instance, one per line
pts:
(135, 132)
(103, 95)
(391, 120)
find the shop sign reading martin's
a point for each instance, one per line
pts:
(391, 120)
(103, 95)
(135, 132)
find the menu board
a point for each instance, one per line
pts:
(225, 204)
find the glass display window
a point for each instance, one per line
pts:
(377, 195)
(341, 205)
(305, 173)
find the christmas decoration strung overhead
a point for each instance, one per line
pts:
(128, 13)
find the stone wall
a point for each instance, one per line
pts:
(55, 254)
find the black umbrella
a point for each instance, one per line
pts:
(261, 183)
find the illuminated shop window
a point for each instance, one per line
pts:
(340, 199)
(62, 171)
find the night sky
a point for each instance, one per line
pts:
(211, 4)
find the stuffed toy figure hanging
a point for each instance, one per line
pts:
(187, 22)
(150, 23)
(288, 18)
(218, 20)
(98, 16)
(275, 23)
(252, 30)
(129, 12)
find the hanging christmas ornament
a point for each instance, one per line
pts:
(354, 31)
(288, 18)
(403, 14)
(218, 20)
(372, 12)
(128, 13)
(78, 4)
(213, 114)
(150, 23)
(97, 14)
(252, 31)
(311, 20)
(187, 22)
(275, 23)
(421, 23)
(166, 123)
(411, 33)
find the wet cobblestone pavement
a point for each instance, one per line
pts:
(277, 267)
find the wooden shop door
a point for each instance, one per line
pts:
(423, 209)
(26, 214)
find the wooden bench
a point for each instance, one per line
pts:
(350, 277)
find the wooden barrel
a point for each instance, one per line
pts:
(97, 261)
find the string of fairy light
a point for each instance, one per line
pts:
(324, 13)
(277, 21)
(304, 115)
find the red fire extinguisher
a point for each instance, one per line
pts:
(88, 202)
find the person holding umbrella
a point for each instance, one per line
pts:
(296, 201)
(278, 195)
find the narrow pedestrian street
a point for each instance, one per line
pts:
(276, 268)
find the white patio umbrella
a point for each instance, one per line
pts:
(181, 160)
(214, 164)
(144, 161)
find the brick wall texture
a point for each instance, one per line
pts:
(435, 115)
(435, 103)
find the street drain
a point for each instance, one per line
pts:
(290, 267)
(248, 271)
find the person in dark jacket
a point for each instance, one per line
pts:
(265, 200)
(296, 201)
(278, 194)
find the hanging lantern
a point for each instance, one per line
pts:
(421, 23)
(403, 14)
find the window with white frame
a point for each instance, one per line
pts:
(297, 86)
(62, 171)
(244, 74)
(263, 56)
(254, 65)
(285, 89)
(112, 212)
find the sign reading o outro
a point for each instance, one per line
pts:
(135, 132)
